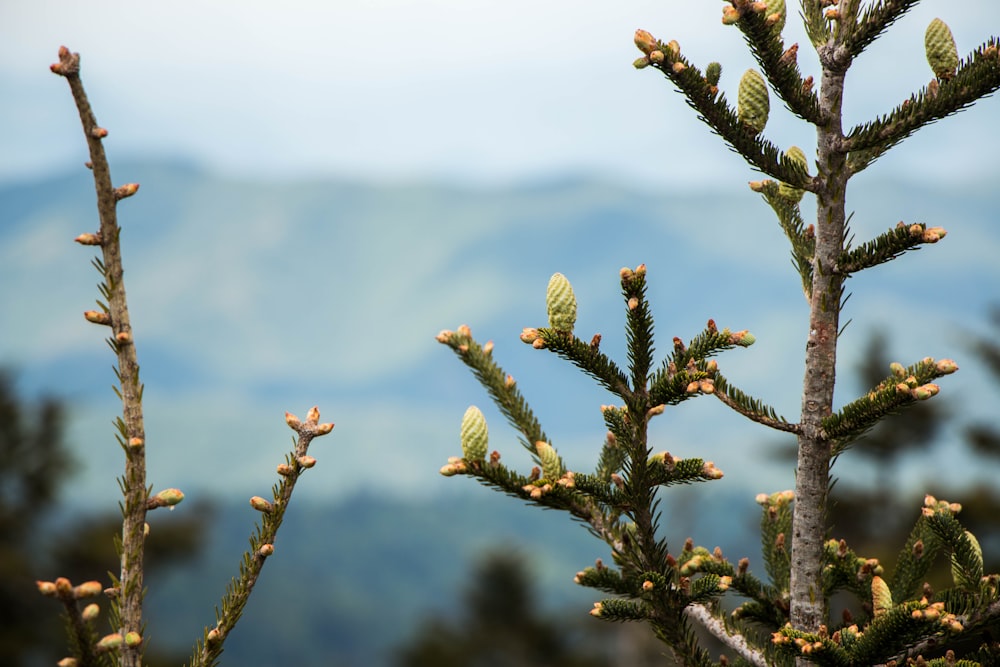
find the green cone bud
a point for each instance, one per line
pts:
(753, 103)
(475, 439)
(712, 73)
(776, 8)
(551, 465)
(942, 54)
(795, 154)
(561, 304)
(881, 596)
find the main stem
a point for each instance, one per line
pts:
(808, 604)
(130, 592)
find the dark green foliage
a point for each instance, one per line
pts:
(977, 76)
(502, 624)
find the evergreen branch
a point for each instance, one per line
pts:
(718, 629)
(802, 238)
(901, 389)
(775, 531)
(501, 387)
(966, 556)
(209, 648)
(978, 76)
(873, 23)
(664, 470)
(845, 571)
(639, 327)
(611, 460)
(894, 632)
(605, 579)
(127, 605)
(588, 358)
(686, 372)
(887, 246)
(780, 67)
(817, 27)
(714, 111)
(914, 561)
(750, 407)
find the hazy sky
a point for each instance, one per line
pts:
(483, 90)
(453, 91)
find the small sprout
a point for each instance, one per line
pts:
(596, 611)
(98, 317)
(261, 505)
(109, 642)
(560, 302)
(90, 612)
(293, 422)
(126, 190)
(730, 15)
(285, 470)
(89, 239)
(265, 550)
(213, 636)
(529, 335)
(47, 588)
(939, 46)
(645, 42)
(656, 57)
(323, 429)
(444, 336)
(67, 662)
(165, 498)
(306, 461)
(946, 366)
(133, 639)
(98, 133)
(648, 585)
(87, 589)
(713, 72)
(933, 234)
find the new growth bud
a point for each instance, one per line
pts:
(939, 45)
(645, 41)
(753, 102)
(560, 302)
(261, 505)
(474, 434)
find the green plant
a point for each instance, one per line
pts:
(124, 645)
(787, 617)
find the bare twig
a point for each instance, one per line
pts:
(208, 650)
(115, 315)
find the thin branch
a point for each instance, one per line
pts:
(208, 650)
(130, 584)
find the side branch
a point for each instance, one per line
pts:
(208, 650)
(714, 111)
(873, 23)
(750, 407)
(780, 67)
(978, 76)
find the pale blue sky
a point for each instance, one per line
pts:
(482, 92)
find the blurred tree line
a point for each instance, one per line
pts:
(500, 621)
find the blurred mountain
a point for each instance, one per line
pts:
(349, 582)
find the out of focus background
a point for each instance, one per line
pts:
(324, 187)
